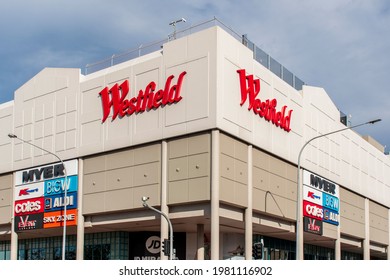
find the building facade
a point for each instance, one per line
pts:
(211, 137)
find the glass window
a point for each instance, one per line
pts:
(275, 67)
(106, 246)
(5, 250)
(262, 57)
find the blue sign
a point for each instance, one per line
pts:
(330, 216)
(57, 186)
(57, 202)
(331, 202)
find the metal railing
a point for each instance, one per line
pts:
(258, 54)
(273, 65)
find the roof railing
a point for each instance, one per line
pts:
(258, 54)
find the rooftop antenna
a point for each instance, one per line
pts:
(173, 23)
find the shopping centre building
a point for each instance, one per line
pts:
(209, 128)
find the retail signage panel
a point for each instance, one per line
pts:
(331, 217)
(147, 245)
(312, 225)
(29, 206)
(57, 202)
(321, 184)
(325, 196)
(312, 195)
(39, 195)
(28, 191)
(312, 210)
(56, 218)
(57, 186)
(331, 202)
(46, 172)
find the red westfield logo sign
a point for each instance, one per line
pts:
(148, 99)
(266, 109)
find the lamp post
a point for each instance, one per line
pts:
(173, 23)
(10, 135)
(299, 227)
(145, 204)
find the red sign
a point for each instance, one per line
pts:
(56, 218)
(147, 99)
(29, 206)
(312, 210)
(250, 87)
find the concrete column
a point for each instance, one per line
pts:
(80, 217)
(366, 241)
(14, 235)
(337, 245)
(388, 223)
(164, 191)
(300, 255)
(215, 155)
(14, 240)
(249, 209)
(200, 241)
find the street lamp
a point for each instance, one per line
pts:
(145, 204)
(299, 227)
(10, 135)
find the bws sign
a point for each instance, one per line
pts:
(57, 186)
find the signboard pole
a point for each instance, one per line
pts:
(145, 204)
(10, 135)
(298, 229)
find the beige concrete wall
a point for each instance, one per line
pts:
(6, 207)
(189, 169)
(46, 114)
(274, 185)
(6, 147)
(351, 214)
(379, 223)
(233, 171)
(116, 181)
